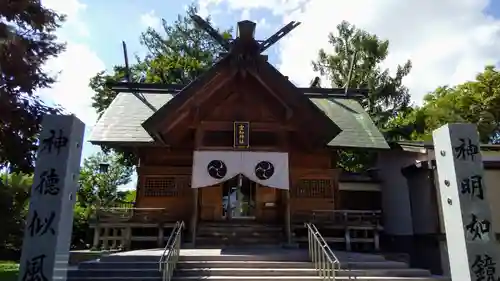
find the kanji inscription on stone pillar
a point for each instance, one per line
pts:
(472, 250)
(49, 223)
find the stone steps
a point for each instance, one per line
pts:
(292, 271)
(265, 278)
(304, 278)
(245, 264)
(242, 264)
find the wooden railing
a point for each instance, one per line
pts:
(170, 257)
(360, 228)
(324, 260)
(340, 217)
(125, 211)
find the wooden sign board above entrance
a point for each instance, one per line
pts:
(241, 134)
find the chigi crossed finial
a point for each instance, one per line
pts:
(246, 33)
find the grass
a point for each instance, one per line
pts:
(8, 270)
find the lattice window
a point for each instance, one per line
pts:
(161, 186)
(313, 188)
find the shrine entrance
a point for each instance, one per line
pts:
(238, 198)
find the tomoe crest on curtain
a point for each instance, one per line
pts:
(266, 168)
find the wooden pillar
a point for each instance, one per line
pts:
(114, 234)
(472, 247)
(347, 237)
(128, 238)
(97, 233)
(105, 240)
(288, 223)
(161, 235)
(194, 216)
(376, 238)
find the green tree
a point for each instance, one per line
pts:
(101, 187)
(475, 102)
(98, 188)
(27, 41)
(176, 55)
(356, 63)
(130, 196)
(14, 195)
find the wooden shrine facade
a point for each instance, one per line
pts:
(312, 187)
(166, 127)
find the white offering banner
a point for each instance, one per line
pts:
(266, 168)
(213, 167)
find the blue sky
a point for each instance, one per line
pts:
(449, 42)
(111, 21)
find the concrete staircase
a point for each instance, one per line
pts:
(265, 263)
(238, 233)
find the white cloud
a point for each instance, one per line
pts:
(246, 15)
(447, 41)
(74, 67)
(277, 7)
(72, 9)
(151, 20)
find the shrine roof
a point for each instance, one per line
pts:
(122, 120)
(121, 123)
(358, 129)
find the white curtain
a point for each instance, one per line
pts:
(213, 167)
(266, 168)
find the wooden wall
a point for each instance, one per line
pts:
(313, 182)
(313, 186)
(272, 196)
(164, 179)
(210, 200)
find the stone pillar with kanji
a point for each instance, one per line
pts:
(47, 235)
(472, 250)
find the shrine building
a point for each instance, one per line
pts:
(242, 155)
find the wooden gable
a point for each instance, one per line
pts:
(241, 105)
(245, 87)
(230, 96)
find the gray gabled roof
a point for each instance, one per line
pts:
(122, 121)
(358, 129)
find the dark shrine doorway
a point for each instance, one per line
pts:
(238, 198)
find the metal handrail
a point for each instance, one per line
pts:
(170, 257)
(324, 260)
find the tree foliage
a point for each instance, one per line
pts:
(98, 187)
(476, 102)
(176, 55)
(356, 63)
(14, 195)
(27, 41)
